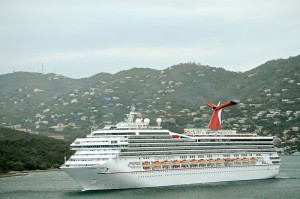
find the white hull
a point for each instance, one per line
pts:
(96, 179)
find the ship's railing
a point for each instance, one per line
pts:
(159, 136)
(193, 131)
(158, 144)
(195, 148)
(208, 132)
(178, 152)
(157, 140)
(199, 141)
(223, 135)
(126, 125)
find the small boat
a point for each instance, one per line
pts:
(134, 164)
(253, 159)
(146, 164)
(175, 162)
(211, 160)
(194, 161)
(244, 159)
(183, 162)
(166, 162)
(156, 163)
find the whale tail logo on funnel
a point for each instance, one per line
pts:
(215, 122)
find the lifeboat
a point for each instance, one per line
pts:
(165, 162)
(244, 159)
(156, 163)
(146, 164)
(183, 162)
(175, 162)
(134, 164)
(253, 159)
(229, 159)
(211, 160)
(201, 161)
(194, 161)
(219, 160)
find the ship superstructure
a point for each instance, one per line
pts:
(133, 154)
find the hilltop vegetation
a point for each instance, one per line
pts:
(51, 104)
(22, 151)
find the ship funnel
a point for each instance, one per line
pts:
(215, 122)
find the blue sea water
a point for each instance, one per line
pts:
(57, 184)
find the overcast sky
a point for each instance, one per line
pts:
(79, 38)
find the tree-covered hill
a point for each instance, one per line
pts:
(53, 104)
(23, 151)
(275, 75)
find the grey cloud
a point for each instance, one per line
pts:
(114, 35)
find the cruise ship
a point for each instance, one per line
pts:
(134, 154)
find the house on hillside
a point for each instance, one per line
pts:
(74, 101)
(59, 127)
(273, 100)
(108, 90)
(58, 137)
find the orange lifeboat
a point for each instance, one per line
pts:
(146, 164)
(193, 161)
(244, 159)
(253, 159)
(211, 160)
(201, 161)
(175, 162)
(165, 162)
(219, 160)
(237, 159)
(156, 163)
(183, 162)
(229, 159)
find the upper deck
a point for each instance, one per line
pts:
(194, 132)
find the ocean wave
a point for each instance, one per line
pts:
(287, 177)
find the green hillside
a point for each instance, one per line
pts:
(50, 104)
(22, 151)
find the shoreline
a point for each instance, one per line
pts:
(24, 173)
